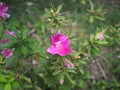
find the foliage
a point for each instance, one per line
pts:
(29, 65)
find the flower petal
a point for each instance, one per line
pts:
(7, 53)
(52, 50)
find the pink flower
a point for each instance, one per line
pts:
(7, 53)
(10, 33)
(3, 10)
(68, 63)
(100, 37)
(61, 81)
(8, 67)
(60, 45)
(5, 40)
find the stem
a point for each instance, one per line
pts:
(76, 12)
(100, 67)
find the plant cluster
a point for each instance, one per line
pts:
(54, 60)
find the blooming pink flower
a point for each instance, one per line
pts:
(100, 37)
(68, 63)
(61, 81)
(8, 67)
(3, 10)
(5, 40)
(60, 45)
(10, 33)
(7, 53)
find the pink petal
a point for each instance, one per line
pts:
(4, 8)
(68, 63)
(5, 40)
(52, 50)
(66, 49)
(58, 37)
(7, 53)
(5, 15)
(8, 67)
(10, 33)
(61, 81)
(0, 4)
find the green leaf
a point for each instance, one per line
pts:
(3, 79)
(59, 8)
(13, 39)
(91, 37)
(81, 83)
(42, 53)
(82, 2)
(25, 78)
(101, 42)
(91, 6)
(81, 70)
(1, 86)
(42, 59)
(10, 61)
(56, 72)
(91, 19)
(64, 87)
(100, 18)
(70, 79)
(24, 50)
(12, 79)
(96, 36)
(53, 67)
(71, 71)
(83, 62)
(6, 45)
(28, 86)
(1, 60)
(24, 33)
(15, 85)
(95, 50)
(32, 43)
(7, 86)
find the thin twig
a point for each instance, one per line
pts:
(101, 69)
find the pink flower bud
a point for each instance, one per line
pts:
(6, 15)
(7, 67)
(10, 33)
(61, 81)
(68, 63)
(5, 40)
(7, 53)
(100, 37)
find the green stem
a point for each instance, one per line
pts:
(76, 12)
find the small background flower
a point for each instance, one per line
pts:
(61, 81)
(7, 53)
(10, 33)
(3, 10)
(68, 63)
(5, 40)
(100, 37)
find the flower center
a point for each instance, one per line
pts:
(58, 45)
